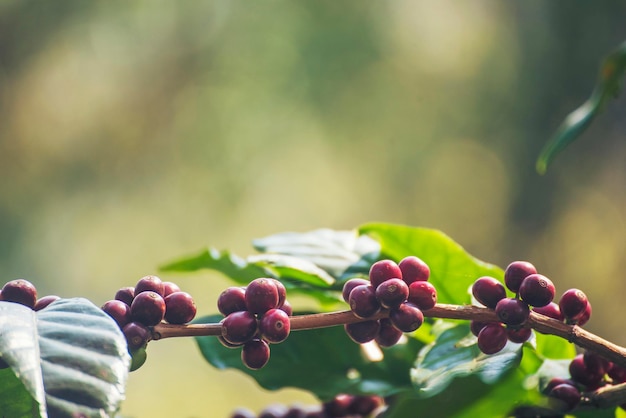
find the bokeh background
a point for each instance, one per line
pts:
(132, 133)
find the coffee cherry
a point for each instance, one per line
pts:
(239, 327)
(282, 292)
(567, 395)
(551, 310)
(261, 296)
(617, 373)
(364, 405)
(573, 304)
(19, 291)
(423, 295)
(516, 272)
(513, 312)
(518, 335)
(537, 290)
(351, 284)
(275, 326)
(555, 381)
(117, 310)
(488, 291)
(362, 332)
(227, 344)
(339, 406)
(391, 293)
(384, 270)
(138, 358)
(492, 338)
(413, 269)
(43, 302)
(243, 413)
(126, 295)
(169, 288)
(137, 335)
(232, 300)
(148, 307)
(179, 308)
(595, 363)
(286, 307)
(149, 284)
(582, 319)
(406, 317)
(582, 374)
(476, 326)
(388, 335)
(255, 354)
(363, 301)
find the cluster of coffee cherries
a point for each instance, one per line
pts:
(150, 302)
(401, 288)
(588, 372)
(254, 317)
(531, 290)
(341, 406)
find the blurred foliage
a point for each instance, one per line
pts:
(131, 133)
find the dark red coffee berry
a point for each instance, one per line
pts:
(239, 327)
(580, 373)
(339, 406)
(169, 288)
(492, 338)
(413, 269)
(406, 317)
(231, 300)
(117, 310)
(275, 326)
(362, 332)
(137, 335)
(179, 308)
(148, 307)
(126, 295)
(351, 284)
(476, 326)
(19, 291)
(566, 395)
(282, 292)
(384, 270)
(255, 354)
(513, 312)
(573, 304)
(518, 335)
(364, 405)
(261, 296)
(391, 293)
(43, 302)
(149, 284)
(537, 290)
(551, 310)
(554, 382)
(584, 318)
(423, 295)
(388, 335)
(617, 374)
(363, 301)
(227, 344)
(488, 291)
(516, 272)
(595, 363)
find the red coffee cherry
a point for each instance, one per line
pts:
(239, 327)
(169, 288)
(149, 284)
(126, 295)
(43, 302)
(488, 291)
(423, 295)
(363, 301)
(516, 272)
(232, 300)
(19, 291)
(537, 290)
(551, 310)
(351, 284)
(492, 338)
(413, 269)
(118, 310)
(388, 335)
(275, 326)
(391, 293)
(148, 307)
(384, 270)
(476, 326)
(567, 396)
(255, 354)
(519, 335)
(362, 332)
(262, 295)
(406, 317)
(513, 312)
(137, 335)
(179, 308)
(573, 304)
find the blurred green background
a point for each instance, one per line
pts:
(132, 133)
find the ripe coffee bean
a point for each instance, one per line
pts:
(595, 363)
(413, 269)
(19, 291)
(406, 317)
(519, 335)
(275, 326)
(384, 270)
(261, 296)
(137, 335)
(582, 319)
(282, 292)
(580, 373)
(351, 284)
(617, 373)
(476, 326)
(567, 395)
(43, 302)
(363, 301)
(573, 304)
(488, 291)
(388, 335)
(148, 307)
(551, 310)
(179, 308)
(227, 344)
(126, 295)
(169, 288)
(391, 293)
(150, 284)
(537, 290)
(423, 295)
(232, 300)
(516, 272)
(555, 381)
(362, 332)
(239, 327)
(513, 312)
(255, 354)
(492, 338)
(118, 310)
(286, 307)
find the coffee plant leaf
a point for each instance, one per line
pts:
(15, 401)
(452, 269)
(323, 361)
(291, 268)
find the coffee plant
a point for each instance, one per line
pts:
(408, 324)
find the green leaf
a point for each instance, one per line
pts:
(293, 268)
(452, 269)
(15, 401)
(553, 347)
(608, 86)
(323, 361)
